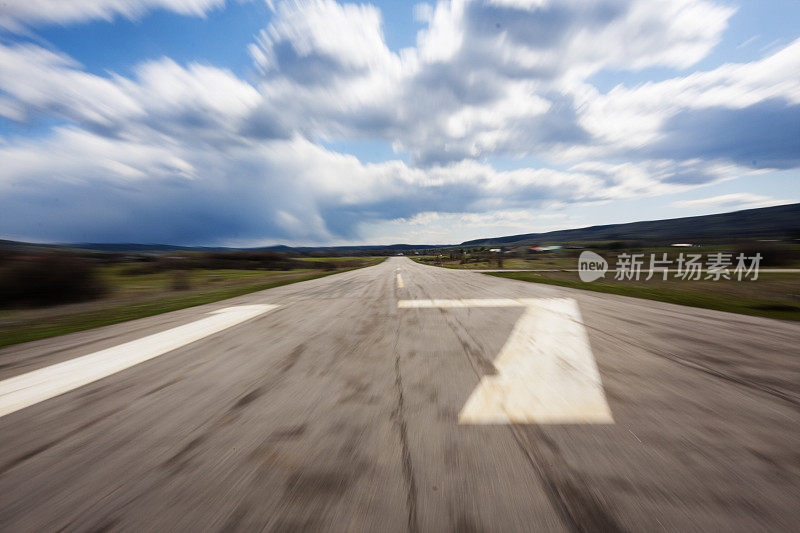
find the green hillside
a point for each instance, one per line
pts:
(778, 222)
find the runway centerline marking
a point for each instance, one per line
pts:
(546, 372)
(399, 281)
(33, 387)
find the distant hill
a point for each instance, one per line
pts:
(379, 247)
(767, 223)
(164, 248)
(134, 247)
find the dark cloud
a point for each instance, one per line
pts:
(265, 124)
(762, 135)
(544, 26)
(163, 211)
(192, 154)
(310, 68)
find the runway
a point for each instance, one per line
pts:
(405, 397)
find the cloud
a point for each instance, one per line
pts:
(91, 187)
(762, 135)
(198, 103)
(36, 80)
(485, 77)
(746, 113)
(312, 41)
(16, 15)
(435, 227)
(732, 201)
(191, 153)
(510, 78)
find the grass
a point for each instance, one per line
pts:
(123, 284)
(733, 297)
(773, 295)
(568, 258)
(35, 325)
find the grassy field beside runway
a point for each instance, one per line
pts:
(789, 256)
(772, 295)
(130, 297)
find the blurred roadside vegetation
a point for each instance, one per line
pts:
(773, 295)
(775, 254)
(44, 292)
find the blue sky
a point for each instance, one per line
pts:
(315, 122)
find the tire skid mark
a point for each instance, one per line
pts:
(567, 492)
(407, 464)
(694, 365)
(8, 465)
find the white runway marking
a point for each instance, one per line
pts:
(488, 302)
(546, 372)
(399, 281)
(28, 389)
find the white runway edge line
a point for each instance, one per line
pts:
(546, 372)
(28, 389)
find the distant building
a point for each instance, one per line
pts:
(542, 249)
(682, 245)
(496, 250)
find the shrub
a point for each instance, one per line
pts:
(772, 254)
(48, 279)
(180, 281)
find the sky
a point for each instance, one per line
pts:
(316, 122)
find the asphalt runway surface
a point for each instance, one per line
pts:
(404, 397)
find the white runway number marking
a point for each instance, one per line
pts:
(28, 389)
(546, 372)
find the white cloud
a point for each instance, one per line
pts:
(503, 218)
(194, 154)
(349, 36)
(85, 186)
(732, 201)
(197, 103)
(485, 77)
(435, 227)
(77, 156)
(16, 15)
(633, 117)
(38, 80)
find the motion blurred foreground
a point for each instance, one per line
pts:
(398, 397)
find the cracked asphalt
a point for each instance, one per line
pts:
(338, 411)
